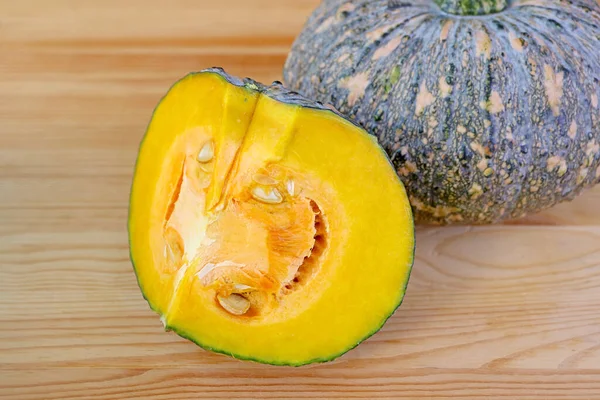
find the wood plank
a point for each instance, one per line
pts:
(71, 20)
(380, 380)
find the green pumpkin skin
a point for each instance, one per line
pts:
(489, 110)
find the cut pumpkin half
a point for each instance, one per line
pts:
(265, 226)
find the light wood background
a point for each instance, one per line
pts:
(509, 311)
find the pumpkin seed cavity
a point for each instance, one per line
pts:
(255, 248)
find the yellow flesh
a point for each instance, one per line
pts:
(335, 217)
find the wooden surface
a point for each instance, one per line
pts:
(508, 311)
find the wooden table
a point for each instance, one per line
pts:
(509, 311)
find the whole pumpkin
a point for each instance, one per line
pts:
(489, 109)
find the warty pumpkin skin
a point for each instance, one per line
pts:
(488, 109)
(265, 226)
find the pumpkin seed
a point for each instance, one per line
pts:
(209, 267)
(206, 167)
(173, 246)
(235, 304)
(290, 185)
(240, 288)
(207, 152)
(267, 195)
(263, 179)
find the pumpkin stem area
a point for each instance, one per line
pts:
(472, 7)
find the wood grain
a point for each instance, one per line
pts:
(507, 311)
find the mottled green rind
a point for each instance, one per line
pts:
(493, 149)
(278, 92)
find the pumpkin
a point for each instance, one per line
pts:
(265, 226)
(489, 109)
